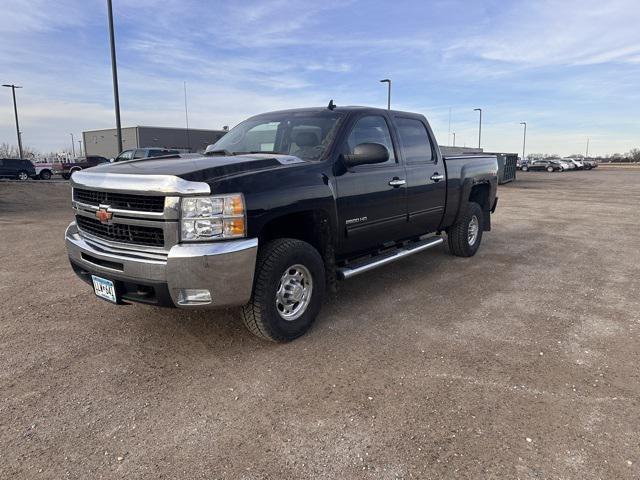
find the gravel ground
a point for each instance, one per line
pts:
(521, 362)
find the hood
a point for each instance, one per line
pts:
(201, 168)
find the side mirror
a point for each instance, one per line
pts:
(367, 153)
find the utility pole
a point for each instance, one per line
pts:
(479, 127)
(454, 139)
(524, 139)
(114, 71)
(80, 145)
(73, 147)
(587, 155)
(388, 82)
(15, 111)
(449, 134)
(186, 115)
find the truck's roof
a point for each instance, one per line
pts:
(345, 109)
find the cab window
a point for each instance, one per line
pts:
(414, 141)
(371, 129)
(126, 155)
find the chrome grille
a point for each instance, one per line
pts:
(122, 201)
(121, 232)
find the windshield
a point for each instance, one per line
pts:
(306, 135)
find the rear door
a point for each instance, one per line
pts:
(371, 198)
(3, 168)
(426, 182)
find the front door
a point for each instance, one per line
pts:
(371, 198)
(426, 182)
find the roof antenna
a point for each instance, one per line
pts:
(331, 105)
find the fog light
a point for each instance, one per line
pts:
(194, 296)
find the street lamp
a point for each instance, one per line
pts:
(454, 139)
(80, 145)
(73, 147)
(524, 138)
(15, 110)
(388, 82)
(479, 126)
(114, 72)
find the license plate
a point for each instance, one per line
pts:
(104, 288)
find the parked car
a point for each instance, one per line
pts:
(541, 165)
(89, 161)
(577, 164)
(589, 164)
(281, 207)
(136, 153)
(17, 168)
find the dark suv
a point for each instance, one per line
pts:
(16, 168)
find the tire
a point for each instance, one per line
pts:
(263, 315)
(45, 175)
(459, 234)
(525, 169)
(22, 176)
(66, 176)
(549, 169)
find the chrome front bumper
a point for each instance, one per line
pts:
(226, 269)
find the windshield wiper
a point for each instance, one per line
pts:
(258, 151)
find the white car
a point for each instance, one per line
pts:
(577, 164)
(566, 165)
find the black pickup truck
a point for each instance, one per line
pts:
(277, 211)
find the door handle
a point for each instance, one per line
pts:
(436, 177)
(397, 182)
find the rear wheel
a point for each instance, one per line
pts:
(549, 169)
(288, 290)
(22, 176)
(465, 235)
(525, 168)
(45, 175)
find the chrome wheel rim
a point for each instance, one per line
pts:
(22, 176)
(294, 292)
(472, 233)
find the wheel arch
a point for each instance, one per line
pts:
(314, 226)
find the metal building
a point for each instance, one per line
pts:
(105, 144)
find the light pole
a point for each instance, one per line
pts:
(15, 110)
(114, 71)
(80, 145)
(73, 147)
(388, 82)
(587, 152)
(479, 127)
(524, 139)
(454, 139)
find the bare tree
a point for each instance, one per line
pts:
(634, 154)
(11, 151)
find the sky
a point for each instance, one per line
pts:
(569, 68)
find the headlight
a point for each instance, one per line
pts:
(212, 218)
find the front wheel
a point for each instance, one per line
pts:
(549, 169)
(465, 235)
(22, 176)
(45, 175)
(288, 290)
(525, 168)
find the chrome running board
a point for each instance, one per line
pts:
(357, 268)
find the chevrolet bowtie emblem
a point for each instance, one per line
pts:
(104, 215)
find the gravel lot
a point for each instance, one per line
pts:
(521, 362)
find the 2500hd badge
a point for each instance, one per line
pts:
(276, 211)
